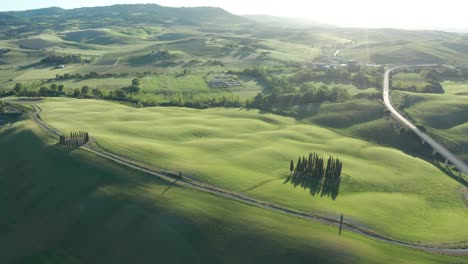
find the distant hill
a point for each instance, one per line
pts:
(121, 15)
(215, 33)
(284, 21)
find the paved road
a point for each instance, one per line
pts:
(424, 137)
(193, 184)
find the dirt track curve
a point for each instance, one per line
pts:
(193, 184)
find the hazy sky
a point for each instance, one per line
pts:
(428, 14)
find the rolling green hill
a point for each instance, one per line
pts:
(212, 32)
(68, 206)
(100, 212)
(260, 146)
(443, 115)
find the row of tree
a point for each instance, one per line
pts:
(278, 101)
(91, 75)
(75, 139)
(6, 93)
(95, 75)
(429, 83)
(53, 90)
(65, 59)
(364, 78)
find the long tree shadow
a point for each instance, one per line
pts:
(170, 186)
(315, 185)
(259, 185)
(331, 189)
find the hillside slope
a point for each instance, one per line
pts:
(72, 207)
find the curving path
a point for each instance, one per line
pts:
(193, 184)
(437, 147)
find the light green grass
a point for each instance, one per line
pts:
(445, 115)
(455, 88)
(66, 198)
(287, 51)
(44, 73)
(412, 78)
(160, 84)
(397, 50)
(244, 151)
(341, 115)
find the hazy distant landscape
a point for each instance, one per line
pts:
(144, 133)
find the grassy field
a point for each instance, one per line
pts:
(455, 88)
(408, 77)
(117, 49)
(444, 115)
(399, 50)
(248, 152)
(100, 212)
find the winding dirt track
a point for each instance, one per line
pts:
(193, 184)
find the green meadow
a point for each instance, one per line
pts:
(61, 205)
(102, 212)
(249, 152)
(443, 115)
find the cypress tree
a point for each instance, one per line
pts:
(298, 166)
(304, 164)
(291, 166)
(311, 165)
(327, 170)
(339, 169)
(332, 168)
(320, 168)
(315, 167)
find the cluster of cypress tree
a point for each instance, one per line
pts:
(333, 171)
(75, 139)
(311, 173)
(311, 167)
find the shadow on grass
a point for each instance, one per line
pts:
(170, 186)
(448, 171)
(259, 185)
(316, 185)
(37, 65)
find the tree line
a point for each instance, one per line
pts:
(312, 173)
(74, 139)
(272, 79)
(277, 101)
(65, 59)
(90, 75)
(430, 82)
(95, 75)
(54, 90)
